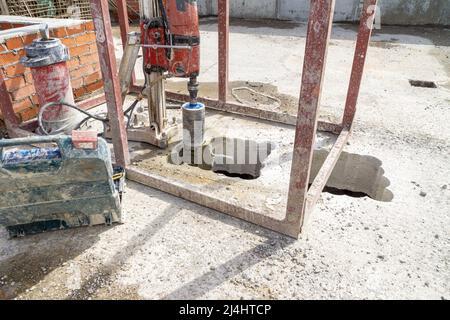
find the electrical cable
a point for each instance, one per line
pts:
(51, 104)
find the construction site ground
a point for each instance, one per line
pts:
(353, 247)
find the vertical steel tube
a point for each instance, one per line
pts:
(157, 100)
(105, 45)
(155, 80)
(318, 34)
(129, 57)
(359, 60)
(124, 28)
(122, 13)
(224, 41)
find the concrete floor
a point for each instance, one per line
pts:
(352, 248)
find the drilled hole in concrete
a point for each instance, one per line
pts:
(355, 176)
(423, 84)
(340, 192)
(235, 175)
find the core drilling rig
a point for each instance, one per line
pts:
(170, 41)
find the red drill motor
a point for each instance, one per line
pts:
(172, 41)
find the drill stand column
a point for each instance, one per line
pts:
(159, 131)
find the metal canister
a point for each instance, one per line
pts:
(47, 58)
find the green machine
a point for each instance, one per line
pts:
(46, 183)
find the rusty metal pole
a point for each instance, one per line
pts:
(359, 60)
(124, 25)
(105, 45)
(318, 34)
(224, 41)
(122, 13)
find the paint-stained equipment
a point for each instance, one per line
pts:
(46, 183)
(173, 38)
(47, 58)
(170, 41)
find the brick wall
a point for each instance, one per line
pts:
(84, 63)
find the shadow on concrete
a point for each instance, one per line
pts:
(206, 282)
(90, 287)
(40, 254)
(196, 288)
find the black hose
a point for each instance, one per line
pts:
(166, 24)
(89, 115)
(51, 104)
(131, 110)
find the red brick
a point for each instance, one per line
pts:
(5, 25)
(69, 42)
(96, 66)
(29, 114)
(89, 59)
(28, 77)
(58, 32)
(73, 63)
(75, 30)
(92, 78)
(79, 92)
(89, 26)
(94, 86)
(22, 105)
(23, 92)
(9, 58)
(28, 39)
(77, 83)
(93, 47)
(79, 50)
(35, 99)
(80, 72)
(21, 53)
(85, 38)
(14, 43)
(15, 70)
(13, 84)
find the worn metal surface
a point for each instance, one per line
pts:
(55, 187)
(319, 29)
(359, 60)
(92, 102)
(224, 47)
(242, 109)
(158, 130)
(106, 51)
(128, 61)
(122, 11)
(52, 84)
(325, 171)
